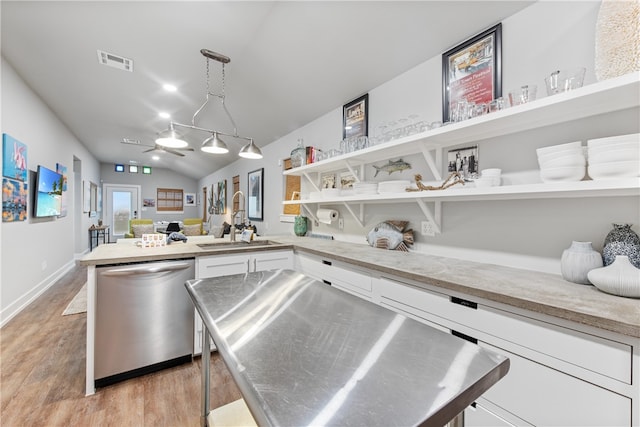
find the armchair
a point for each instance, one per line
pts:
(138, 221)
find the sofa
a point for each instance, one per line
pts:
(137, 222)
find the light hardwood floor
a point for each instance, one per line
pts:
(42, 378)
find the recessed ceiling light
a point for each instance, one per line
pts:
(169, 88)
(133, 162)
(164, 115)
(155, 157)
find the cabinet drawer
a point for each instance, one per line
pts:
(544, 396)
(603, 356)
(217, 265)
(349, 277)
(272, 260)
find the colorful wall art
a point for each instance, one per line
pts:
(14, 200)
(14, 158)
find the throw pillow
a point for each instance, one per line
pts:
(191, 230)
(140, 229)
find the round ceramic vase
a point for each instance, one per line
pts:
(622, 240)
(300, 225)
(620, 278)
(578, 260)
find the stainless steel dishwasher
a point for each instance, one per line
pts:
(144, 319)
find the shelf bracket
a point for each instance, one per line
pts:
(434, 219)
(358, 176)
(431, 163)
(311, 214)
(359, 219)
(311, 181)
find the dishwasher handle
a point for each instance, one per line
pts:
(140, 269)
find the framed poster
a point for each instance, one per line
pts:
(14, 158)
(221, 199)
(256, 195)
(189, 199)
(355, 117)
(472, 71)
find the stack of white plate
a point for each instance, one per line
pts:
(397, 186)
(365, 187)
(614, 157)
(563, 162)
(329, 193)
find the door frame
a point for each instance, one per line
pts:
(106, 200)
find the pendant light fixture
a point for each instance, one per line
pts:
(213, 144)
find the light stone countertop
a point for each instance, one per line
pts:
(538, 292)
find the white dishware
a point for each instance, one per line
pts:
(614, 146)
(487, 182)
(545, 158)
(626, 169)
(315, 195)
(565, 174)
(618, 278)
(328, 193)
(614, 156)
(396, 186)
(632, 137)
(490, 172)
(563, 161)
(558, 147)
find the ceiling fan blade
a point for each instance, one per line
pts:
(129, 141)
(150, 149)
(185, 149)
(177, 153)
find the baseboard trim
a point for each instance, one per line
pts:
(21, 303)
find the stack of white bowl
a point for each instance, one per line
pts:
(396, 186)
(364, 187)
(614, 157)
(489, 178)
(562, 163)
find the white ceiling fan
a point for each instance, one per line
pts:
(157, 148)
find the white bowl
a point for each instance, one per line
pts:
(490, 181)
(563, 161)
(632, 137)
(559, 147)
(630, 145)
(629, 154)
(566, 174)
(627, 169)
(490, 172)
(545, 158)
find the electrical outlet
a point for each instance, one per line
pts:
(427, 229)
(341, 223)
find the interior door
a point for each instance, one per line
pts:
(122, 203)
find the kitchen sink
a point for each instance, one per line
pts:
(228, 244)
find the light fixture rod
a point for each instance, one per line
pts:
(211, 131)
(215, 56)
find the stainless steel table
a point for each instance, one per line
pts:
(303, 353)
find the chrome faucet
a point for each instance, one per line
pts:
(232, 232)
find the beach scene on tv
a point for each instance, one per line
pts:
(49, 201)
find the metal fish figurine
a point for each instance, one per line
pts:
(392, 166)
(391, 235)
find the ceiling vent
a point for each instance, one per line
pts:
(115, 61)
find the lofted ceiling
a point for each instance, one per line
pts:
(291, 62)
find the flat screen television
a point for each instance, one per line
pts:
(48, 200)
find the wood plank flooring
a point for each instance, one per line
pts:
(42, 375)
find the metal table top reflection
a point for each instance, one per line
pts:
(303, 353)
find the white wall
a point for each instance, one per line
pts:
(36, 252)
(528, 234)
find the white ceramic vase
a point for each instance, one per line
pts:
(578, 260)
(618, 278)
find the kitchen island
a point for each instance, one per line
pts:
(577, 348)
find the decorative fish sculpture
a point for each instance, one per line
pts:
(392, 166)
(391, 235)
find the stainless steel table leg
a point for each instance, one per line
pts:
(206, 363)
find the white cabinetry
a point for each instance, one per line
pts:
(600, 98)
(225, 265)
(337, 274)
(559, 374)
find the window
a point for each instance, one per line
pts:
(169, 200)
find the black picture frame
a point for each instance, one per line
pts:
(355, 117)
(255, 195)
(473, 70)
